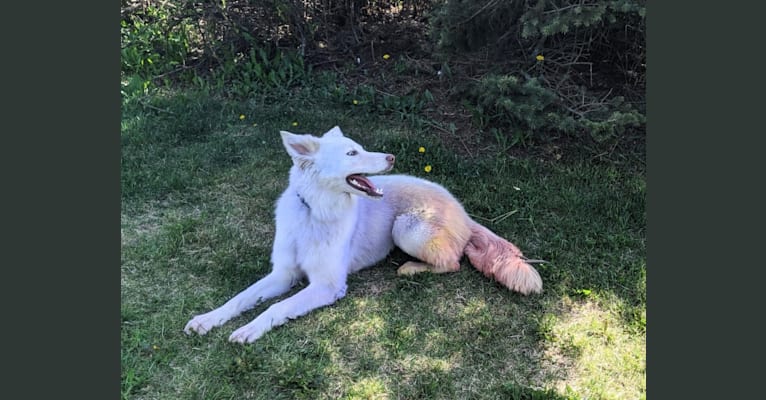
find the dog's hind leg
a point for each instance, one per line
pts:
(439, 246)
(415, 267)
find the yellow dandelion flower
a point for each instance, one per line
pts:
(540, 57)
(422, 149)
(255, 124)
(155, 347)
(355, 102)
(386, 56)
(295, 123)
(427, 168)
(241, 116)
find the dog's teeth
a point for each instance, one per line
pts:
(379, 191)
(354, 182)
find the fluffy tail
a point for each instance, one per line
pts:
(500, 260)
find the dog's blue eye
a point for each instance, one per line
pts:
(352, 153)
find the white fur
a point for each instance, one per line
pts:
(326, 229)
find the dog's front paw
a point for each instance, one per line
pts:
(204, 322)
(248, 333)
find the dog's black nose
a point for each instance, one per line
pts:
(390, 158)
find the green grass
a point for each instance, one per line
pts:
(198, 188)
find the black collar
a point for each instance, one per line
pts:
(303, 201)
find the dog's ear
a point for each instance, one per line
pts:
(334, 132)
(299, 145)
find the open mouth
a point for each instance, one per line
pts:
(361, 183)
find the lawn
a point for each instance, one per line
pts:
(200, 176)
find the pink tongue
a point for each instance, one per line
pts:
(363, 184)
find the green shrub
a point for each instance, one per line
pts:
(525, 70)
(529, 111)
(549, 67)
(257, 72)
(152, 43)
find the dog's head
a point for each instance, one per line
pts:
(336, 161)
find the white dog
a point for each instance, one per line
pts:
(333, 220)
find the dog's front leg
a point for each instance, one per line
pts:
(277, 282)
(315, 295)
